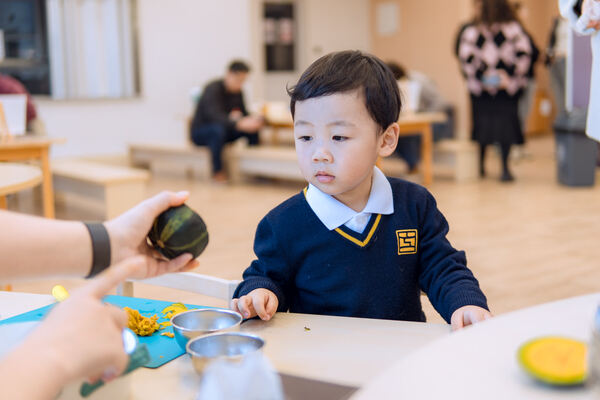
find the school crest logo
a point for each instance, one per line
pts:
(407, 241)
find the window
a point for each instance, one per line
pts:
(71, 49)
(279, 36)
(25, 55)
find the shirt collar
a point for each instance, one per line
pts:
(334, 214)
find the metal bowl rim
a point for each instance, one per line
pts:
(200, 310)
(247, 335)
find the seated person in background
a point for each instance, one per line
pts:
(355, 243)
(420, 94)
(9, 85)
(221, 116)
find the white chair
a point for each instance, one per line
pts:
(205, 285)
(14, 113)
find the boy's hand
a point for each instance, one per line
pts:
(261, 302)
(468, 315)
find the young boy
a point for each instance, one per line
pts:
(354, 243)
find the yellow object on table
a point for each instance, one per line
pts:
(142, 326)
(60, 293)
(554, 360)
(174, 309)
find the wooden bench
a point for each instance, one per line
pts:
(183, 158)
(458, 157)
(117, 188)
(453, 159)
(265, 161)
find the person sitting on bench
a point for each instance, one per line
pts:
(221, 116)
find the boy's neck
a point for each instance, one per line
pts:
(358, 197)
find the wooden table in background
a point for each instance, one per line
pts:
(420, 124)
(410, 125)
(21, 148)
(15, 177)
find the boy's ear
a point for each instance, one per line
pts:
(388, 140)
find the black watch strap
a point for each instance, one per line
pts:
(100, 247)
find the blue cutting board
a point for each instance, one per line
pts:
(162, 348)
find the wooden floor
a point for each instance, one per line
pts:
(528, 242)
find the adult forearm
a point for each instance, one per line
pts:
(37, 247)
(24, 375)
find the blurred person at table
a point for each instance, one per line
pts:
(221, 116)
(10, 85)
(495, 55)
(81, 337)
(577, 12)
(420, 94)
(355, 243)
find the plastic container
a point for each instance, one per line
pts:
(576, 154)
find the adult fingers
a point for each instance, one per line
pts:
(118, 315)
(164, 200)
(157, 267)
(101, 285)
(191, 265)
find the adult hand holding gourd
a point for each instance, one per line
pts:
(128, 233)
(81, 338)
(42, 247)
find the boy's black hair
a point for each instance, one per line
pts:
(238, 66)
(345, 71)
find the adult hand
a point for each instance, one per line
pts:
(504, 79)
(82, 337)
(249, 124)
(128, 233)
(593, 24)
(261, 302)
(236, 115)
(468, 315)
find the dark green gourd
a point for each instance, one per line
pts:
(179, 230)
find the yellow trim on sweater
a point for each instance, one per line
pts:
(367, 239)
(351, 238)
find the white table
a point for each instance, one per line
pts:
(348, 351)
(480, 361)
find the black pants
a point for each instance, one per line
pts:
(214, 136)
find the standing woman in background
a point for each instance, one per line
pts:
(495, 56)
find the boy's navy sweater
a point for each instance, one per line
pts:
(317, 271)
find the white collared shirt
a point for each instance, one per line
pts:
(334, 213)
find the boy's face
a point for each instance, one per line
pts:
(337, 144)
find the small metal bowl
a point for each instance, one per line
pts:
(230, 346)
(190, 324)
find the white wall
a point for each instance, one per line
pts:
(323, 26)
(183, 43)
